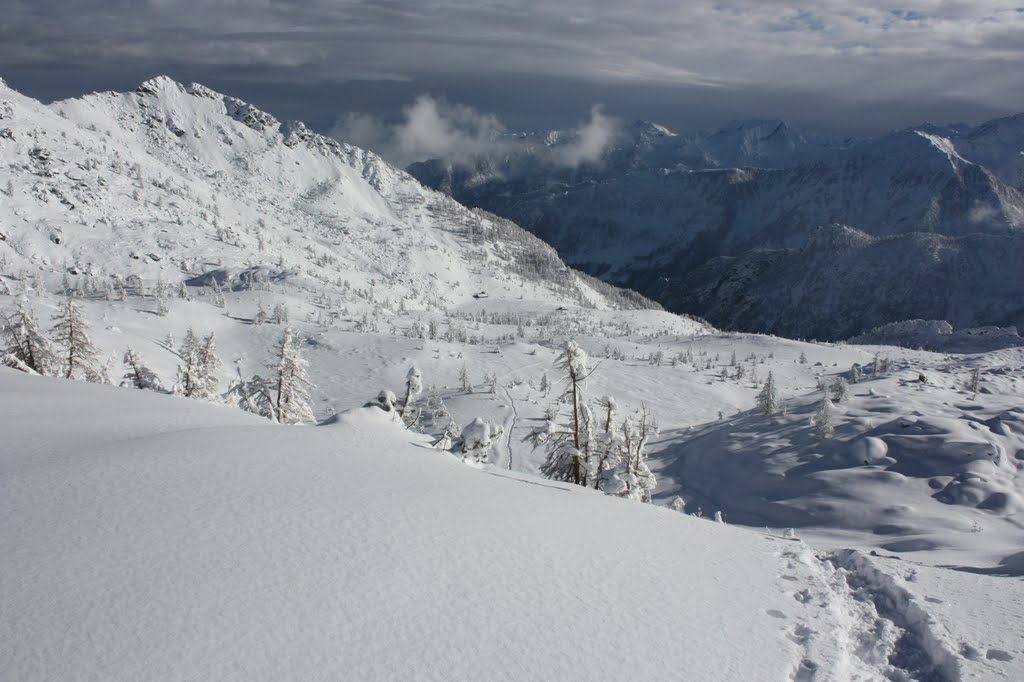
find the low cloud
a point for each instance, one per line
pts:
(432, 128)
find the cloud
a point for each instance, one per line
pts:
(433, 128)
(590, 142)
(430, 128)
(863, 52)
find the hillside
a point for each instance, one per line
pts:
(150, 537)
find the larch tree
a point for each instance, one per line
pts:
(637, 480)
(291, 382)
(569, 444)
(71, 331)
(190, 370)
(138, 375)
(209, 363)
(25, 347)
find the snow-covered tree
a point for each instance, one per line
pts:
(71, 331)
(252, 395)
(477, 438)
(803, 358)
(413, 387)
(855, 374)
(209, 363)
(291, 382)
(840, 390)
(138, 375)
(821, 422)
(464, 380)
(608, 447)
(975, 382)
(190, 371)
(634, 478)
(768, 399)
(25, 347)
(568, 445)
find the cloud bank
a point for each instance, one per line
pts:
(434, 128)
(860, 52)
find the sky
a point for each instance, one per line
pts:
(363, 67)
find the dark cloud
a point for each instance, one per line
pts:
(864, 65)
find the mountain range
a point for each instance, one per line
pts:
(760, 227)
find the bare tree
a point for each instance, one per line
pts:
(72, 332)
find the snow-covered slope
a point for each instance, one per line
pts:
(148, 537)
(175, 181)
(650, 214)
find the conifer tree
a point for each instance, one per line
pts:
(291, 384)
(768, 398)
(138, 375)
(840, 390)
(568, 445)
(190, 371)
(209, 363)
(25, 347)
(822, 420)
(413, 386)
(71, 331)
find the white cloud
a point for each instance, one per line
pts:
(432, 128)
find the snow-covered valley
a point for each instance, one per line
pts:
(150, 536)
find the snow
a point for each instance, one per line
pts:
(148, 536)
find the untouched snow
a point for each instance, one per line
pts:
(150, 537)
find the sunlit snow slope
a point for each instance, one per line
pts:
(150, 537)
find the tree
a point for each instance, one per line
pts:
(190, 370)
(768, 398)
(477, 438)
(252, 395)
(568, 445)
(608, 444)
(840, 390)
(855, 374)
(138, 375)
(71, 331)
(467, 385)
(634, 478)
(975, 383)
(803, 358)
(209, 363)
(822, 420)
(25, 347)
(291, 382)
(413, 386)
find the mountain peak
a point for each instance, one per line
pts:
(158, 85)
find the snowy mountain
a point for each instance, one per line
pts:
(174, 179)
(656, 216)
(160, 535)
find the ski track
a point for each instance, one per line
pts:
(867, 625)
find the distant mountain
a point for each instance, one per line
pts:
(661, 210)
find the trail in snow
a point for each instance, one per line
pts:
(868, 623)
